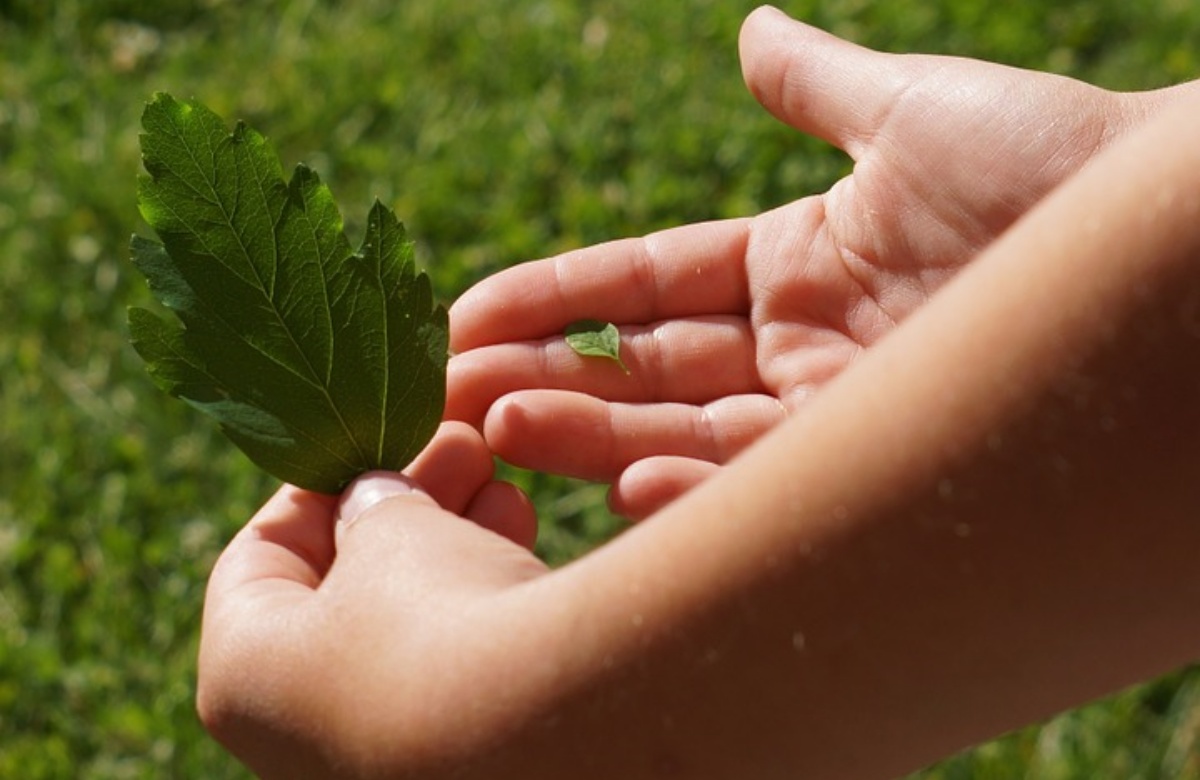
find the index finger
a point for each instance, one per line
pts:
(687, 271)
(283, 552)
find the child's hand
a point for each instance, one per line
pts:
(308, 659)
(727, 327)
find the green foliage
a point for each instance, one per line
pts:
(502, 132)
(593, 338)
(318, 362)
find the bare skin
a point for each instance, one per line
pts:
(731, 326)
(986, 517)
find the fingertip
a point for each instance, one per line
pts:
(466, 383)
(507, 306)
(507, 423)
(761, 28)
(551, 430)
(454, 443)
(505, 509)
(760, 20)
(649, 485)
(453, 465)
(474, 380)
(464, 319)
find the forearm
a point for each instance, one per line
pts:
(1143, 105)
(989, 518)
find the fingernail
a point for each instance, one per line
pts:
(369, 490)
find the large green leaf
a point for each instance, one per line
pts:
(319, 362)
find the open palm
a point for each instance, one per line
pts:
(729, 326)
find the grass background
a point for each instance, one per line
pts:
(499, 132)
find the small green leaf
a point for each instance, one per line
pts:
(593, 338)
(318, 361)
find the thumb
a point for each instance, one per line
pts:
(816, 82)
(379, 497)
(389, 532)
(394, 542)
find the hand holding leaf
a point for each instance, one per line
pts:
(319, 362)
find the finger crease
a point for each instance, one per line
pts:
(705, 431)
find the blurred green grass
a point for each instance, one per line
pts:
(499, 133)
